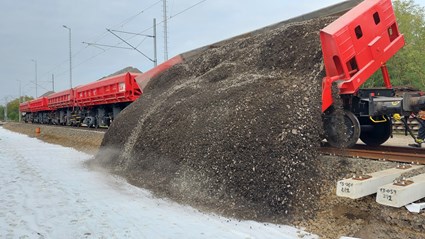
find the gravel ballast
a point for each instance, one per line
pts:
(234, 130)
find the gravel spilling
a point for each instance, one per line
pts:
(234, 130)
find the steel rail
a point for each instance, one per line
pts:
(100, 129)
(384, 153)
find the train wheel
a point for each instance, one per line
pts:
(342, 130)
(375, 134)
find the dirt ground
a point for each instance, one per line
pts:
(80, 139)
(335, 216)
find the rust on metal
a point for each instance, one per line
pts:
(403, 183)
(385, 153)
(403, 166)
(361, 177)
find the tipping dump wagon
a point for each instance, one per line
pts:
(354, 47)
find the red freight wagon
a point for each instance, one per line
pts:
(114, 89)
(24, 107)
(63, 99)
(39, 104)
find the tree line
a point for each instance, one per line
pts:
(12, 109)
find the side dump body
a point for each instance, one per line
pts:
(39, 104)
(63, 99)
(24, 107)
(114, 89)
(357, 44)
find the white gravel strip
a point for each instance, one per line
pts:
(46, 192)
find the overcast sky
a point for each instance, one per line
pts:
(33, 30)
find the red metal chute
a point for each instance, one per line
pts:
(356, 45)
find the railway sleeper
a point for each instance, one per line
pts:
(402, 192)
(359, 186)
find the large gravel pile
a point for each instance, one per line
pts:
(233, 130)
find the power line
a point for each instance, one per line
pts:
(187, 9)
(149, 28)
(126, 42)
(172, 16)
(103, 35)
(104, 45)
(140, 43)
(131, 37)
(132, 17)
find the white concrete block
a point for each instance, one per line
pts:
(354, 188)
(398, 196)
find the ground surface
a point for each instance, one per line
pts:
(78, 138)
(47, 192)
(335, 216)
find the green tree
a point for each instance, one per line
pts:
(1, 112)
(407, 66)
(13, 109)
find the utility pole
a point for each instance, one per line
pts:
(5, 109)
(165, 30)
(20, 95)
(155, 58)
(36, 84)
(70, 57)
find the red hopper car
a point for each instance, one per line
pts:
(94, 105)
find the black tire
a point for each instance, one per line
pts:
(340, 135)
(375, 134)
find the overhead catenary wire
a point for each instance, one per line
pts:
(149, 28)
(119, 43)
(101, 36)
(169, 18)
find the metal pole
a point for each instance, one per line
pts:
(165, 31)
(20, 95)
(70, 56)
(5, 111)
(155, 58)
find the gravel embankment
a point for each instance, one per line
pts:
(87, 141)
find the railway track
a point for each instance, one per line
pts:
(69, 127)
(385, 153)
